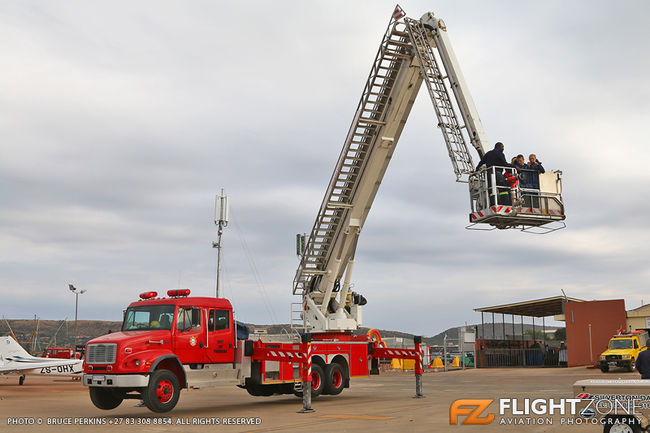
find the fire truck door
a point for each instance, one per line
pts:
(189, 338)
(221, 337)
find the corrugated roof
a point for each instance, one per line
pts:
(535, 308)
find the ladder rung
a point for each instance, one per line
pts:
(398, 43)
(336, 204)
(388, 68)
(373, 111)
(397, 55)
(371, 121)
(383, 86)
(313, 272)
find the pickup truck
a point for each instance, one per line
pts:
(623, 350)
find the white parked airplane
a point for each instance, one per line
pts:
(15, 360)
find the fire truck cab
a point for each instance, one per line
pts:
(165, 344)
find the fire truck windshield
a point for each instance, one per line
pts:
(148, 318)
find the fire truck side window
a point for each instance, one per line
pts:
(188, 318)
(219, 320)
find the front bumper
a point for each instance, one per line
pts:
(616, 363)
(116, 380)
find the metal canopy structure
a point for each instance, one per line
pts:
(519, 349)
(536, 308)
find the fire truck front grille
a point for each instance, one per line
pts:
(101, 353)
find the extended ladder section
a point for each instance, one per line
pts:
(411, 51)
(422, 39)
(384, 106)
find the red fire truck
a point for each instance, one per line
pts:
(167, 344)
(175, 342)
(59, 352)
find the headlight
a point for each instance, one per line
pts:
(602, 357)
(626, 356)
(136, 363)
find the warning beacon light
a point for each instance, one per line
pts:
(178, 292)
(148, 295)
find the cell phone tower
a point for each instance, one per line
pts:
(221, 220)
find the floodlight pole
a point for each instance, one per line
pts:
(76, 292)
(221, 220)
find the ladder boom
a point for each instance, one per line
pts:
(411, 52)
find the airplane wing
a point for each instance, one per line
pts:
(17, 367)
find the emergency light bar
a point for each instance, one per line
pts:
(178, 292)
(148, 295)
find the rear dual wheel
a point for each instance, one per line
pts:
(334, 379)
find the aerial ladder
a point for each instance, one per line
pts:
(411, 52)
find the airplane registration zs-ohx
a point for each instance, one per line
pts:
(15, 360)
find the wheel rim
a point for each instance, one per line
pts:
(315, 381)
(164, 391)
(337, 379)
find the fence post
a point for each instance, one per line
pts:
(444, 352)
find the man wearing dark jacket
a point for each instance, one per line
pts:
(495, 157)
(643, 364)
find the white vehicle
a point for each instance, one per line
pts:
(15, 360)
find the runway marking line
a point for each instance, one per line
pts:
(356, 417)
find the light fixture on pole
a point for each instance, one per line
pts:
(76, 292)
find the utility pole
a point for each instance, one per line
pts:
(76, 292)
(221, 220)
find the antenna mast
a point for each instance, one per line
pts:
(221, 220)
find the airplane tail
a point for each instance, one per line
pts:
(10, 350)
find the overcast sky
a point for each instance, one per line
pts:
(120, 121)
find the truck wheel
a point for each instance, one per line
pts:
(317, 382)
(163, 391)
(631, 366)
(334, 379)
(604, 368)
(105, 398)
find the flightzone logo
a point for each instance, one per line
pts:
(583, 409)
(471, 410)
